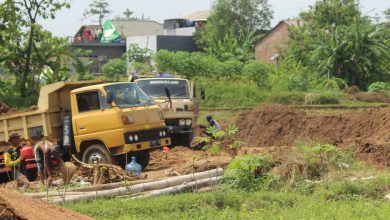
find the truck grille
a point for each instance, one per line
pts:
(148, 135)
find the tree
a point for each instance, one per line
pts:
(99, 8)
(114, 69)
(331, 13)
(335, 40)
(237, 19)
(354, 54)
(20, 15)
(128, 14)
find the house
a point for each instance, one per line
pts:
(267, 49)
(88, 37)
(187, 25)
(178, 34)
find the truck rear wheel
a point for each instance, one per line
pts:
(97, 153)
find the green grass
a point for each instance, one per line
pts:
(237, 205)
(238, 94)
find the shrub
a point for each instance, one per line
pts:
(248, 172)
(257, 72)
(114, 69)
(376, 86)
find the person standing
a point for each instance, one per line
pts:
(13, 160)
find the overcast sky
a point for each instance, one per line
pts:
(68, 21)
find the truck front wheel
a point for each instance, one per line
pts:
(97, 153)
(143, 158)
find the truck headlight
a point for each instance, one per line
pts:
(182, 122)
(135, 137)
(160, 133)
(164, 133)
(188, 122)
(131, 138)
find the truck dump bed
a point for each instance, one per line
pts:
(53, 105)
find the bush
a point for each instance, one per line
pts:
(376, 86)
(374, 188)
(114, 69)
(248, 172)
(258, 73)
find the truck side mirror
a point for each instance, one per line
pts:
(109, 97)
(167, 92)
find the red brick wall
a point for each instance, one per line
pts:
(268, 47)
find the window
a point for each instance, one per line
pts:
(126, 95)
(88, 101)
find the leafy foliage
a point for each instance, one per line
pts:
(247, 172)
(335, 40)
(114, 69)
(258, 73)
(376, 86)
(232, 27)
(26, 47)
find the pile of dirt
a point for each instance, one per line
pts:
(182, 160)
(16, 206)
(4, 108)
(367, 133)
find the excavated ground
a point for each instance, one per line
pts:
(14, 205)
(366, 132)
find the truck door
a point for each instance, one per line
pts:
(93, 119)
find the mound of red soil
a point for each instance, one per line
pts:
(16, 206)
(367, 133)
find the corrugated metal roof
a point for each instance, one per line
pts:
(128, 28)
(198, 15)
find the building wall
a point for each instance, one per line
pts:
(268, 47)
(149, 42)
(187, 31)
(101, 53)
(176, 43)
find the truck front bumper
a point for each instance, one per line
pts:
(177, 129)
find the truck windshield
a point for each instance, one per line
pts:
(127, 95)
(156, 87)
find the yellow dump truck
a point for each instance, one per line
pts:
(180, 108)
(100, 123)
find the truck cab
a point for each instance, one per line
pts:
(98, 122)
(113, 119)
(180, 109)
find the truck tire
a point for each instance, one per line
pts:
(98, 153)
(143, 158)
(31, 175)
